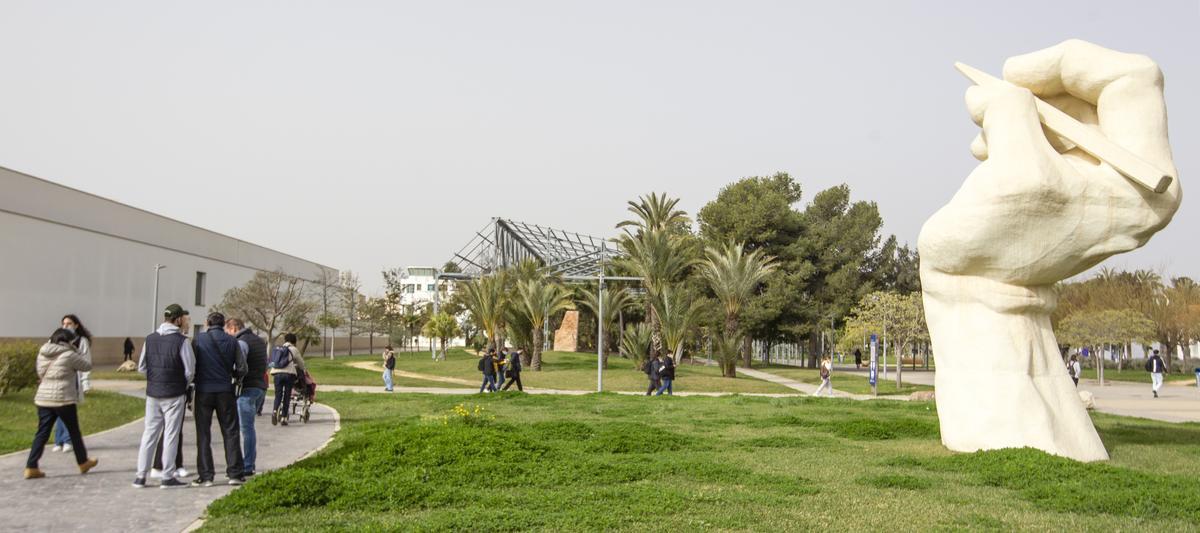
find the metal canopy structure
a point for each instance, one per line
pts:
(503, 243)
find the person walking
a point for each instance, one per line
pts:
(286, 367)
(1156, 367)
(128, 349)
(514, 371)
(651, 370)
(488, 368)
(220, 364)
(499, 361)
(857, 358)
(826, 372)
(58, 365)
(254, 388)
(666, 374)
(83, 345)
(389, 366)
(169, 365)
(1074, 368)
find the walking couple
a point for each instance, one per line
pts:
(660, 371)
(505, 366)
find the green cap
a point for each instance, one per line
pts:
(174, 311)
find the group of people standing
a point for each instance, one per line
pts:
(500, 371)
(660, 370)
(221, 372)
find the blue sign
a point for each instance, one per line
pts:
(873, 373)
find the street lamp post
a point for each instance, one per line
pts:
(154, 315)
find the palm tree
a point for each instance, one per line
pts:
(659, 257)
(733, 275)
(614, 302)
(635, 342)
(655, 213)
(539, 300)
(678, 315)
(441, 326)
(484, 298)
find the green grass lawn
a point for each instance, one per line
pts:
(614, 462)
(846, 382)
(99, 411)
(1136, 375)
(571, 371)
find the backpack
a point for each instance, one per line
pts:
(281, 357)
(1150, 365)
(481, 359)
(824, 371)
(1071, 368)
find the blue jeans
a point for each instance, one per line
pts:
(666, 386)
(61, 436)
(489, 383)
(247, 407)
(387, 379)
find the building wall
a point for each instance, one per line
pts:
(66, 251)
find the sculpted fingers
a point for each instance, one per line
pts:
(1011, 129)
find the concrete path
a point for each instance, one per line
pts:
(103, 500)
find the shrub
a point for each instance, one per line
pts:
(18, 366)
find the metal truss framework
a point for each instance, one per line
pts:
(503, 243)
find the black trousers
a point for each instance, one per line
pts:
(515, 378)
(284, 383)
(654, 385)
(225, 405)
(158, 450)
(47, 416)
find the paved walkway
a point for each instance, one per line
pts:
(103, 500)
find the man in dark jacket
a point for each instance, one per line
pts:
(219, 363)
(1157, 367)
(514, 370)
(666, 373)
(651, 370)
(488, 366)
(254, 387)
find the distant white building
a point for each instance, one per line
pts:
(418, 286)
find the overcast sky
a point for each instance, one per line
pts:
(392, 131)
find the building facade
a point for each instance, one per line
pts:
(68, 251)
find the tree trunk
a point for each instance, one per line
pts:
(814, 346)
(656, 342)
(536, 364)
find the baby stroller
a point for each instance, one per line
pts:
(304, 394)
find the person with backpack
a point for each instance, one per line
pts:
(286, 367)
(651, 370)
(1074, 369)
(826, 372)
(514, 371)
(389, 366)
(1156, 367)
(487, 366)
(169, 365)
(666, 374)
(220, 367)
(58, 365)
(254, 388)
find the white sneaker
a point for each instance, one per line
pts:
(67, 448)
(155, 474)
(56, 448)
(181, 473)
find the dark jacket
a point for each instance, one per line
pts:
(651, 369)
(128, 346)
(256, 360)
(489, 365)
(1156, 365)
(666, 368)
(218, 361)
(514, 363)
(165, 372)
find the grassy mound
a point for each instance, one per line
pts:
(515, 462)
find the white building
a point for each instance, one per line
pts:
(419, 285)
(67, 251)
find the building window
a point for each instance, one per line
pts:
(429, 287)
(200, 278)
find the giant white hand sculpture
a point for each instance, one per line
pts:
(1025, 218)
